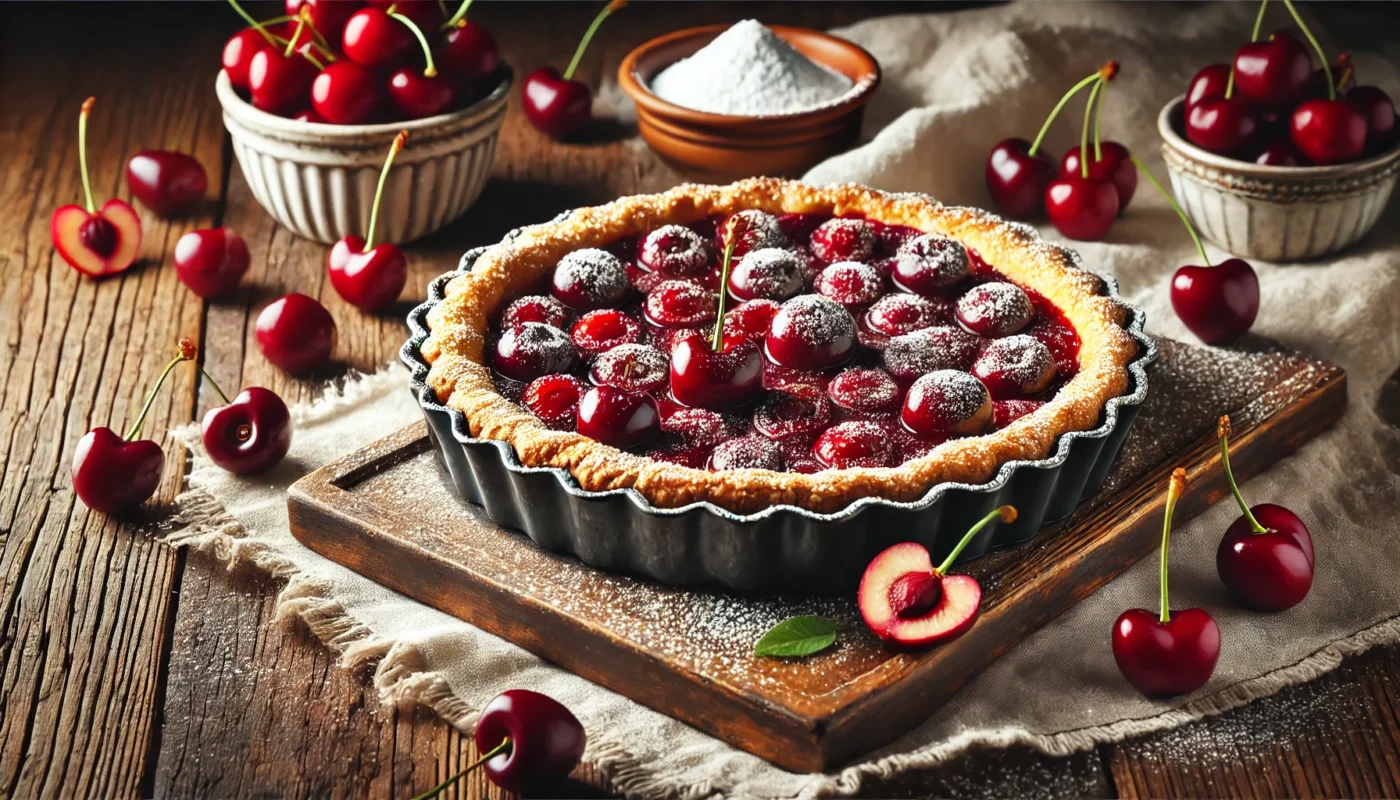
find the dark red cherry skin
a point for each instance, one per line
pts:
(1017, 180)
(1208, 84)
(1280, 153)
(554, 399)
(857, 443)
(416, 95)
(375, 40)
(546, 740)
(947, 403)
(238, 55)
(165, 181)
(326, 16)
(371, 281)
(1218, 303)
(211, 262)
(279, 84)
(600, 331)
(296, 333)
(111, 475)
(345, 93)
(703, 378)
(251, 434)
(811, 332)
(1224, 126)
(1166, 659)
(1116, 166)
(1376, 105)
(309, 115)
(556, 107)
(469, 55)
(1269, 571)
(617, 418)
(1329, 131)
(527, 351)
(1082, 208)
(750, 320)
(536, 308)
(1272, 73)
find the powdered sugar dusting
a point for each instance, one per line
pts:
(955, 394)
(593, 273)
(674, 250)
(940, 347)
(843, 239)
(1020, 360)
(850, 283)
(900, 313)
(813, 319)
(995, 309)
(746, 452)
(768, 273)
(632, 368)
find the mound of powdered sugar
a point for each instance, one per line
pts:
(749, 71)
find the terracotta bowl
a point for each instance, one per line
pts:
(722, 148)
(1274, 213)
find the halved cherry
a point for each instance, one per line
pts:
(750, 320)
(782, 416)
(701, 427)
(1014, 366)
(869, 390)
(600, 331)
(554, 399)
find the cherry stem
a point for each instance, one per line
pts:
(394, 149)
(1222, 429)
(456, 19)
(254, 24)
(1345, 61)
(296, 35)
(213, 383)
(612, 6)
(1303, 26)
(1191, 229)
(82, 151)
(731, 237)
(1004, 513)
(1098, 127)
(422, 40)
(1174, 491)
(1084, 132)
(441, 787)
(1054, 112)
(186, 352)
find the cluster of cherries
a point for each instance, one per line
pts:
(352, 62)
(850, 343)
(1265, 560)
(1271, 107)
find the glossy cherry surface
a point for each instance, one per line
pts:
(296, 333)
(280, 83)
(1280, 153)
(376, 40)
(417, 95)
(704, 378)
(238, 55)
(1329, 131)
(1218, 303)
(1166, 659)
(469, 55)
(371, 280)
(947, 403)
(546, 740)
(1208, 84)
(166, 181)
(1379, 111)
(250, 433)
(1227, 126)
(345, 93)
(1272, 73)
(211, 262)
(1111, 163)
(1082, 208)
(618, 418)
(811, 332)
(111, 474)
(326, 16)
(1017, 179)
(556, 106)
(95, 241)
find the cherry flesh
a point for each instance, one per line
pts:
(296, 333)
(1218, 303)
(211, 262)
(554, 399)
(250, 433)
(94, 241)
(345, 93)
(165, 181)
(546, 740)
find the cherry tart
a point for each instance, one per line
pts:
(771, 343)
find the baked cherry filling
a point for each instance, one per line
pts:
(845, 343)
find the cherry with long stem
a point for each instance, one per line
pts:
(1253, 37)
(271, 38)
(367, 275)
(558, 105)
(1185, 220)
(1175, 488)
(185, 352)
(1312, 40)
(1106, 72)
(95, 241)
(420, 94)
(1082, 206)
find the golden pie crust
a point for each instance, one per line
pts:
(462, 380)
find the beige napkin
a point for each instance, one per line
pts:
(954, 84)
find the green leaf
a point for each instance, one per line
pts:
(798, 636)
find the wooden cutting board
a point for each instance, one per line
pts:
(389, 512)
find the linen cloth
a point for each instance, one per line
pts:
(954, 84)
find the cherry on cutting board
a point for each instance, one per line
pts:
(116, 473)
(211, 262)
(366, 275)
(345, 93)
(1266, 556)
(904, 599)
(250, 433)
(1083, 204)
(95, 242)
(557, 105)
(165, 181)
(420, 93)
(296, 333)
(1170, 652)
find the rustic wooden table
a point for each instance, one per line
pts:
(131, 668)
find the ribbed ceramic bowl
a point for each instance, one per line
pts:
(318, 179)
(1274, 213)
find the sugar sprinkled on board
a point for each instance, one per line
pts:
(749, 71)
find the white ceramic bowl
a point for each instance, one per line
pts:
(1274, 213)
(319, 179)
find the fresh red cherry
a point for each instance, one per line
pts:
(1266, 556)
(95, 242)
(599, 331)
(114, 473)
(469, 55)
(211, 262)
(843, 239)
(309, 115)
(280, 81)
(1218, 303)
(375, 40)
(811, 332)
(632, 368)
(554, 399)
(856, 443)
(930, 264)
(721, 379)
(674, 250)
(1280, 153)
(1108, 161)
(590, 278)
(536, 308)
(1227, 126)
(766, 273)
(618, 418)
(1329, 131)
(370, 276)
(527, 737)
(1014, 366)
(947, 403)
(850, 283)
(528, 351)
(1380, 116)
(1208, 84)
(296, 333)
(326, 17)
(250, 433)
(1082, 208)
(1170, 652)
(1272, 73)
(345, 93)
(1017, 178)
(165, 181)
(238, 54)
(996, 308)
(426, 14)
(420, 93)
(557, 105)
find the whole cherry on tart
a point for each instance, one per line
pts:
(947, 403)
(898, 314)
(557, 105)
(1166, 653)
(997, 308)
(864, 390)
(211, 262)
(599, 331)
(768, 273)
(554, 399)
(590, 278)
(373, 39)
(1018, 173)
(536, 308)
(632, 368)
(296, 333)
(929, 349)
(250, 433)
(618, 418)
(345, 93)
(532, 349)
(114, 473)
(674, 250)
(420, 93)
(746, 452)
(750, 320)
(1014, 366)
(850, 283)
(855, 443)
(165, 181)
(721, 372)
(930, 264)
(811, 332)
(1266, 557)
(904, 599)
(95, 242)
(367, 275)
(843, 239)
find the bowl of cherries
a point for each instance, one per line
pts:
(313, 99)
(1277, 159)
